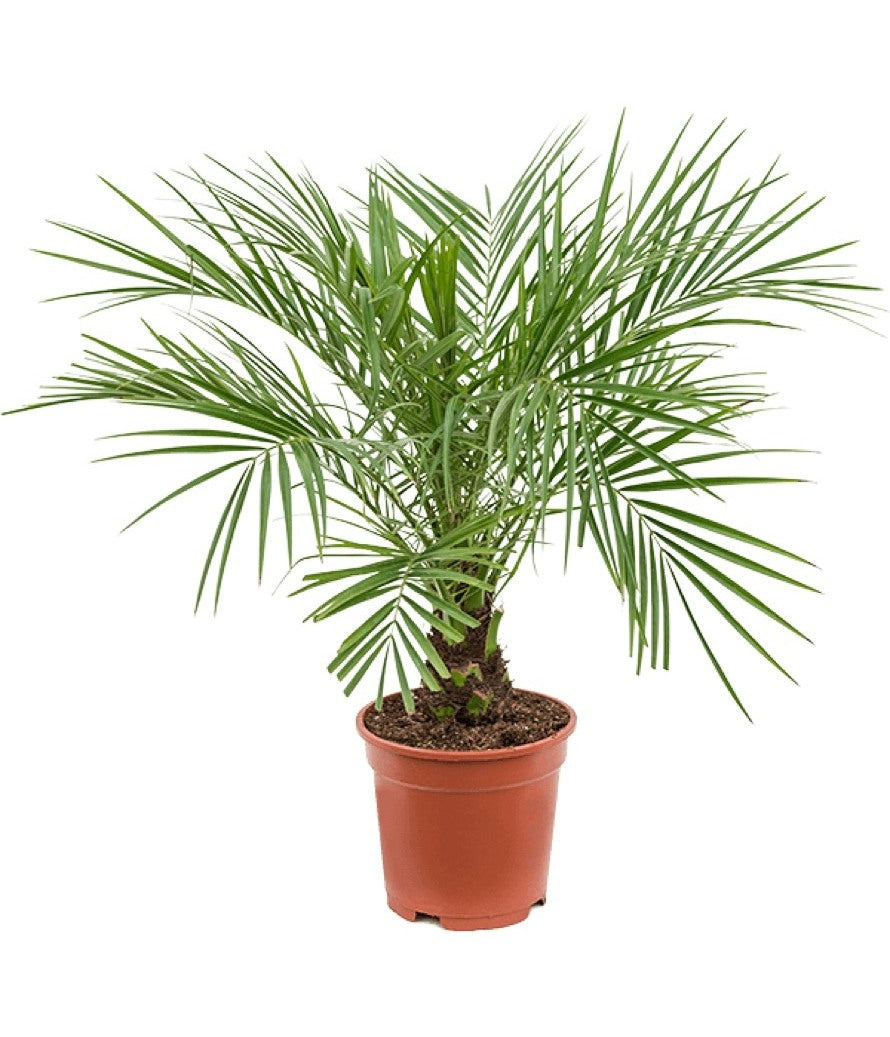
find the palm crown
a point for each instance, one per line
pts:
(492, 367)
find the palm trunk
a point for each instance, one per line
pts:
(479, 687)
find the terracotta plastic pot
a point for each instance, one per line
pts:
(466, 834)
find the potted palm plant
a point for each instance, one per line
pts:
(496, 368)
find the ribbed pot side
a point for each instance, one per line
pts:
(466, 835)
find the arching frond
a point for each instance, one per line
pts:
(493, 365)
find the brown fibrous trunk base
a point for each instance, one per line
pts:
(485, 677)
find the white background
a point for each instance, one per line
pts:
(187, 837)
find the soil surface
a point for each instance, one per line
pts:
(525, 718)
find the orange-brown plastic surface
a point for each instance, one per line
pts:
(466, 834)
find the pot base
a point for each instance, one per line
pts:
(464, 924)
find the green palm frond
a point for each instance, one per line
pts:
(491, 367)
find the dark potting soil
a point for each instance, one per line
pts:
(526, 717)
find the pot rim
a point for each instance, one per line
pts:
(469, 755)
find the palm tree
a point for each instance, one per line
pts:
(493, 369)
